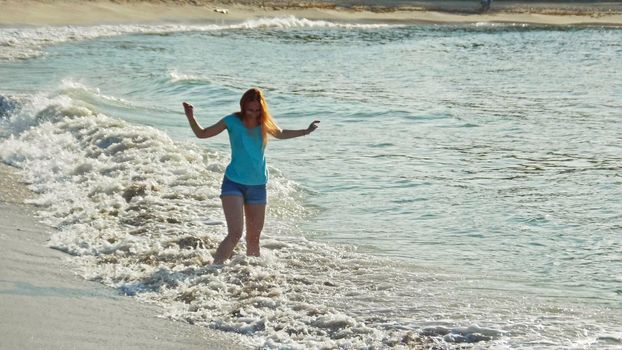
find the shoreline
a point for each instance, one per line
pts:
(45, 305)
(68, 12)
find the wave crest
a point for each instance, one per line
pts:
(24, 43)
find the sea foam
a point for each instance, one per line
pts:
(131, 206)
(28, 42)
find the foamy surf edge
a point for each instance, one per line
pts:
(29, 42)
(140, 212)
(131, 207)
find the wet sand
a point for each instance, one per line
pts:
(35, 12)
(45, 305)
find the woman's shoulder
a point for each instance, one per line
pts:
(232, 119)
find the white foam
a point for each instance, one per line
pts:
(176, 76)
(28, 42)
(471, 334)
(501, 25)
(69, 85)
(294, 22)
(130, 203)
(141, 213)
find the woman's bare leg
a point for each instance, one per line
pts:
(255, 216)
(233, 208)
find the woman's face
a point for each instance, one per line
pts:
(252, 110)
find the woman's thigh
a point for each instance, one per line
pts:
(233, 207)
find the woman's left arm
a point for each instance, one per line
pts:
(289, 134)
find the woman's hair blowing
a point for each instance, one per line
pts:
(268, 125)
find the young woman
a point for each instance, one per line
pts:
(243, 190)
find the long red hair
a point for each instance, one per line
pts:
(268, 125)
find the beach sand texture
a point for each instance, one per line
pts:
(31, 12)
(45, 305)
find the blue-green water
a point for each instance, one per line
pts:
(464, 186)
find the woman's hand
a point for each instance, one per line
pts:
(312, 127)
(188, 109)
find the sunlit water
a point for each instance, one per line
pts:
(463, 189)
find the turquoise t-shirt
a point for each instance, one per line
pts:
(248, 163)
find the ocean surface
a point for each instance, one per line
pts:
(464, 189)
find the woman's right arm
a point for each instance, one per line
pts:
(196, 128)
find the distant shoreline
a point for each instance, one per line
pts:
(552, 7)
(74, 12)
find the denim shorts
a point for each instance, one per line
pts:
(252, 194)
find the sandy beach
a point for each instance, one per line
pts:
(43, 302)
(31, 12)
(45, 305)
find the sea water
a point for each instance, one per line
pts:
(464, 188)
